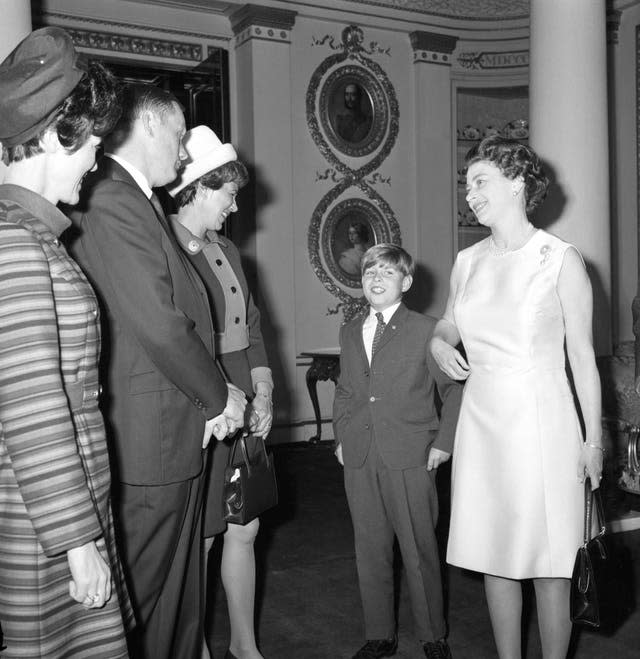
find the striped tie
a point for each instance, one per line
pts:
(379, 332)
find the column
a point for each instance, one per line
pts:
(569, 130)
(434, 164)
(14, 27)
(264, 140)
(15, 24)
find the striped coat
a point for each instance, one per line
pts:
(54, 466)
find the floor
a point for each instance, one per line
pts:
(308, 603)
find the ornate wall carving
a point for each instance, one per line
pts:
(136, 45)
(518, 59)
(353, 160)
(57, 18)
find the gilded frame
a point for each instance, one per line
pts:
(353, 110)
(351, 227)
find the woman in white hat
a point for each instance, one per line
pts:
(61, 587)
(205, 195)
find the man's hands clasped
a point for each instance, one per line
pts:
(231, 419)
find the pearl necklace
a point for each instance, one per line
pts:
(501, 251)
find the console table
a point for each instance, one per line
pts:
(325, 365)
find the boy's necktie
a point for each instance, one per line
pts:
(378, 333)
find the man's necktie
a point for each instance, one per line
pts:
(378, 333)
(157, 206)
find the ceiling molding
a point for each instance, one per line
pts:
(60, 19)
(473, 10)
(209, 6)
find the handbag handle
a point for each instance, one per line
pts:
(589, 497)
(633, 454)
(245, 454)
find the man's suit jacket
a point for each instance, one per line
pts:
(393, 399)
(162, 379)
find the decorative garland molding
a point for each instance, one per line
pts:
(265, 23)
(352, 166)
(329, 41)
(53, 18)
(494, 60)
(120, 43)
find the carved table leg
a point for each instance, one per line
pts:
(312, 381)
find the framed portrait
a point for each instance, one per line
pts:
(351, 227)
(354, 111)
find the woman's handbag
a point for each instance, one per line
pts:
(590, 565)
(250, 485)
(600, 584)
(629, 480)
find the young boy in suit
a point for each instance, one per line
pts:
(390, 442)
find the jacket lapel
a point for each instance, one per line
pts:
(119, 173)
(354, 336)
(393, 327)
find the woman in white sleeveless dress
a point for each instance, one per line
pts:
(520, 458)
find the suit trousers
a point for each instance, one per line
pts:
(403, 503)
(160, 530)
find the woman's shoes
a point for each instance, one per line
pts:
(230, 655)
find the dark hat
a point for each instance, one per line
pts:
(35, 78)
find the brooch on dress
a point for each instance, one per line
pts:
(545, 251)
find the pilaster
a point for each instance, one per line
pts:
(15, 24)
(434, 161)
(264, 141)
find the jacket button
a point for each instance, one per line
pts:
(233, 289)
(372, 399)
(218, 262)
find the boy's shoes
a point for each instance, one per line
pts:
(385, 647)
(437, 650)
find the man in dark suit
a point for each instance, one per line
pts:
(390, 442)
(165, 395)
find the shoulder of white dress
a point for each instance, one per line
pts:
(467, 252)
(553, 240)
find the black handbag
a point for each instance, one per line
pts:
(250, 486)
(591, 564)
(602, 594)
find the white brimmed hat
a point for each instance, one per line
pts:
(205, 153)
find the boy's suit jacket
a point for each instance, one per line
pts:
(163, 381)
(394, 398)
